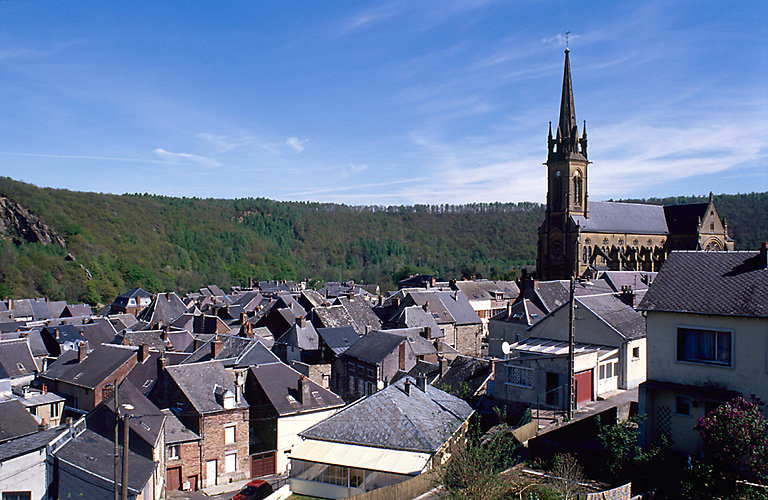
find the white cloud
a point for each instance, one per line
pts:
(186, 158)
(296, 144)
(224, 143)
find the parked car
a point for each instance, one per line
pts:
(257, 489)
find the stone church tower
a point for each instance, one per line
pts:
(566, 187)
(578, 236)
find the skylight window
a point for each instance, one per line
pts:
(145, 426)
(20, 366)
(147, 383)
(77, 376)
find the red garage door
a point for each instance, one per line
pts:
(583, 386)
(263, 464)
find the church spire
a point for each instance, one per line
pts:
(567, 140)
(567, 127)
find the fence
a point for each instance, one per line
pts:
(410, 488)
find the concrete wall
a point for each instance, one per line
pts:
(502, 331)
(288, 429)
(748, 372)
(26, 473)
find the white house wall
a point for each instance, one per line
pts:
(26, 473)
(288, 429)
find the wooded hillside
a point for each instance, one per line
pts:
(165, 243)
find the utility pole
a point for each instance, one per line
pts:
(117, 428)
(124, 492)
(571, 360)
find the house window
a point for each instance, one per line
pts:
(602, 371)
(682, 406)
(229, 434)
(54, 410)
(18, 495)
(173, 452)
(704, 346)
(635, 352)
(520, 376)
(230, 462)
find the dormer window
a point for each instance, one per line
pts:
(229, 401)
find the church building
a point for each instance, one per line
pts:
(579, 235)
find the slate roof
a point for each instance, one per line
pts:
(487, 290)
(637, 280)
(435, 306)
(334, 317)
(178, 340)
(144, 374)
(99, 331)
(717, 283)
(685, 219)
(361, 312)
(418, 344)
(374, 347)
(459, 307)
(15, 420)
(164, 308)
(415, 317)
(29, 443)
(146, 421)
(464, 369)
(304, 337)
(524, 313)
(625, 319)
(89, 455)
(16, 359)
(338, 339)
(135, 292)
(198, 382)
(420, 421)
(233, 351)
(73, 310)
(257, 355)
(616, 217)
(175, 431)
(280, 384)
(99, 364)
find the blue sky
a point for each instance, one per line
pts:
(389, 102)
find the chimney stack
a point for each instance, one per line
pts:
(421, 382)
(407, 386)
(216, 347)
(764, 255)
(425, 306)
(627, 295)
(304, 390)
(164, 334)
(509, 310)
(82, 351)
(301, 321)
(143, 353)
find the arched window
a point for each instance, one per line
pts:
(578, 189)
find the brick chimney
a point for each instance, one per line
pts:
(216, 347)
(764, 255)
(303, 390)
(143, 353)
(242, 317)
(82, 351)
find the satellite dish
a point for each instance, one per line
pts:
(505, 347)
(379, 385)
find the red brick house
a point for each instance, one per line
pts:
(207, 401)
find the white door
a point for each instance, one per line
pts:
(210, 473)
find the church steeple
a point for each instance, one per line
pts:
(567, 141)
(567, 126)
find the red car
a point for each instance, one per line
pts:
(255, 490)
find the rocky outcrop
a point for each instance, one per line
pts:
(20, 224)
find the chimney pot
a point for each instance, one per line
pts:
(407, 386)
